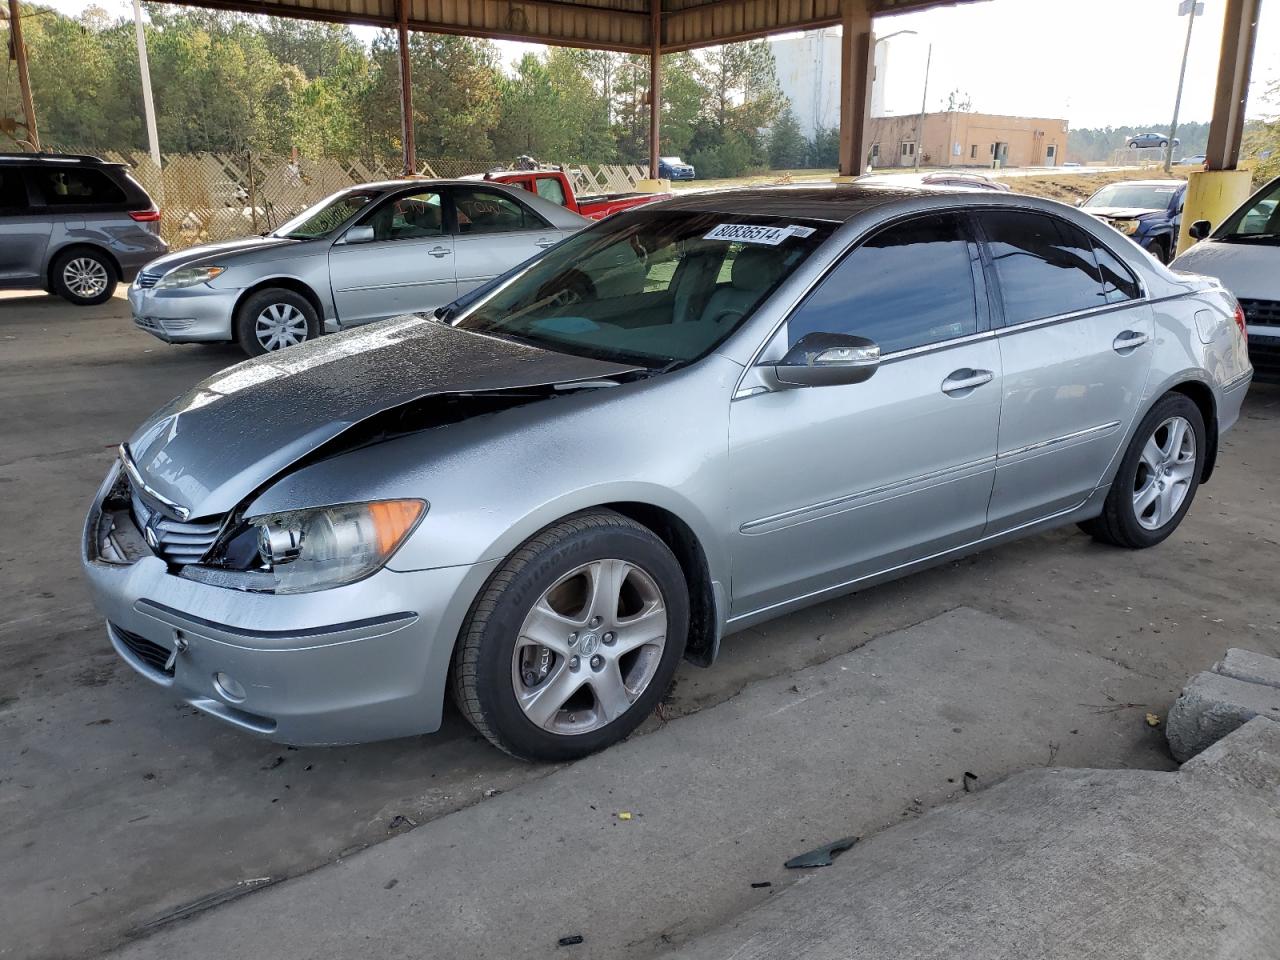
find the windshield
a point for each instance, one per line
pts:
(647, 287)
(326, 216)
(1258, 219)
(1143, 196)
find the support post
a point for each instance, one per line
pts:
(856, 64)
(1218, 189)
(24, 79)
(148, 101)
(655, 183)
(410, 167)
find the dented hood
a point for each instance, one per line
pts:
(213, 446)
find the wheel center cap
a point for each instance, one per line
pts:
(588, 644)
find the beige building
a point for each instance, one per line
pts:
(956, 139)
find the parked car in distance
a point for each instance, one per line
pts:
(554, 185)
(1197, 160)
(1144, 140)
(973, 181)
(73, 225)
(1243, 253)
(673, 168)
(1149, 212)
(363, 254)
(545, 496)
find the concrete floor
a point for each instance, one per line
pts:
(118, 808)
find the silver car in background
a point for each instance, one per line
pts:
(363, 254)
(683, 421)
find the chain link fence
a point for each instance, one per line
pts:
(207, 197)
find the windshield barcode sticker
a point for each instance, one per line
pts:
(749, 233)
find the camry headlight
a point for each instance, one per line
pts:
(306, 550)
(1127, 227)
(190, 276)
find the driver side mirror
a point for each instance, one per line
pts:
(1200, 229)
(827, 360)
(359, 234)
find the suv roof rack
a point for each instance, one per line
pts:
(63, 157)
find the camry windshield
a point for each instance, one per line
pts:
(648, 287)
(326, 216)
(1144, 197)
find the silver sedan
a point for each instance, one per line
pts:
(363, 254)
(682, 421)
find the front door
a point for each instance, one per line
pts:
(830, 485)
(493, 233)
(1051, 155)
(407, 266)
(1076, 346)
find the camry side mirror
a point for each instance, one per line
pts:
(827, 360)
(359, 234)
(1200, 229)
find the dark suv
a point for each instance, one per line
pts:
(75, 226)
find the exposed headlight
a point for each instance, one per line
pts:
(1127, 227)
(190, 276)
(306, 550)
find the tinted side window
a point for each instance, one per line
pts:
(1118, 284)
(407, 218)
(1045, 266)
(907, 286)
(480, 211)
(13, 191)
(76, 187)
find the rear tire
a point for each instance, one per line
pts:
(83, 276)
(611, 603)
(273, 319)
(1157, 479)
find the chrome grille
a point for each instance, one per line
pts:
(179, 543)
(1265, 313)
(149, 278)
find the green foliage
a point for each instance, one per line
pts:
(1100, 143)
(1261, 145)
(787, 145)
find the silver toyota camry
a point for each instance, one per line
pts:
(683, 421)
(364, 254)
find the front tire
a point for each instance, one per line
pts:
(574, 639)
(83, 277)
(274, 319)
(1157, 479)
(1159, 249)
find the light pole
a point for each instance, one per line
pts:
(923, 98)
(148, 102)
(1188, 9)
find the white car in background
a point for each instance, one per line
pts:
(1244, 254)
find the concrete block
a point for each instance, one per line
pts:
(1247, 760)
(1253, 667)
(1212, 706)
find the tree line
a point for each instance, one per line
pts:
(227, 82)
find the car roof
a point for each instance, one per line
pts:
(59, 158)
(833, 202)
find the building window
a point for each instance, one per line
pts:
(973, 152)
(993, 149)
(875, 151)
(908, 148)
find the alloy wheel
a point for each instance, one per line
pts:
(589, 647)
(85, 277)
(1165, 471)
(280, 325)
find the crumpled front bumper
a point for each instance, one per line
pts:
(367, 661)
(185, 315)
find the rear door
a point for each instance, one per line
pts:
(24, 231)
(1075, 346)
(494, 232)
(407, 267)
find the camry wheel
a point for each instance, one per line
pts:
(574, 639)
(83, 277)
(1157, 479)
(272, 320)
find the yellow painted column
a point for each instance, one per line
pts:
(1212, 195)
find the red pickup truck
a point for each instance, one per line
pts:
(554, 185)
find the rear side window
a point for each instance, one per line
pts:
(1045, 266)
(13, 191)
(1118, 284)
(908, 286)
(481, 211)
(74, 186)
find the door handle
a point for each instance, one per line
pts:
(1128, 340)
(438, 252)
(544, 243)
(963, 380)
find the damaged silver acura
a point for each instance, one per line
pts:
(683, 421)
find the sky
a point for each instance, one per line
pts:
(1094, 62)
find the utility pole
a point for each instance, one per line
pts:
(18, 51)
(923, 99)
(148, 102)
(1188, 9)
